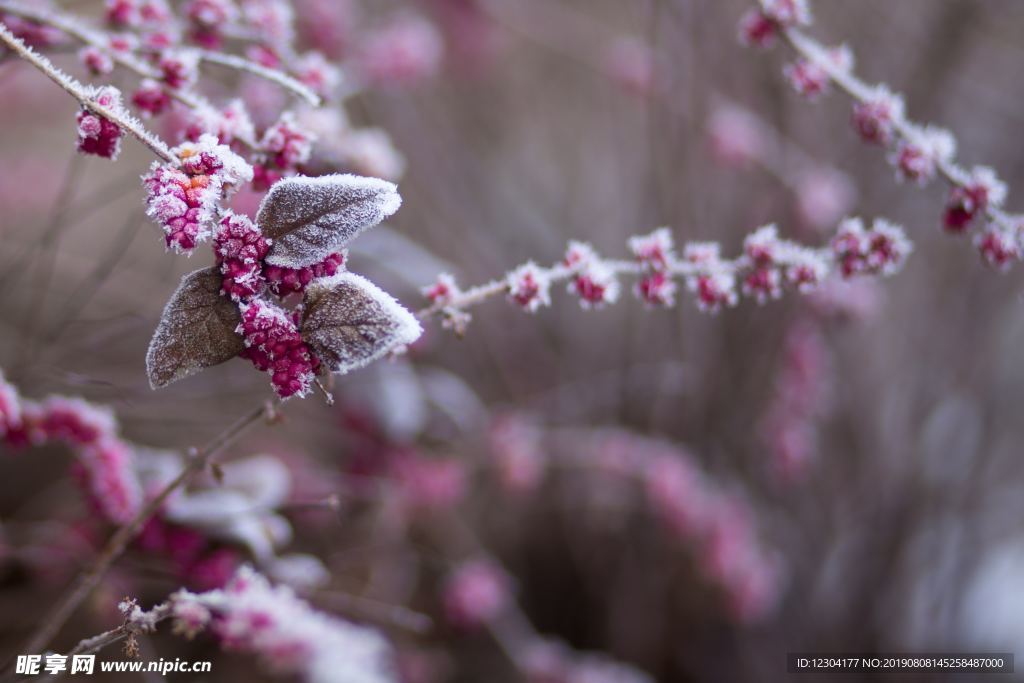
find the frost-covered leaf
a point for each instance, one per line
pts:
(349, 322)
(196, 331)
(311, 218)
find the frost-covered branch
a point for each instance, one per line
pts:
(768, 264)
(918, 152)
(274, 75)
(103, 103)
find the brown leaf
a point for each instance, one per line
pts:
(196, 331)
(311, 218)
(349, 322)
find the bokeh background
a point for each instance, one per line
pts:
(851, 459)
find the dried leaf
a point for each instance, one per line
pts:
(312, 218)
(349, 322)
(196, 331)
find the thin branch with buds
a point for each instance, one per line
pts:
(74, 88)
(766, 264)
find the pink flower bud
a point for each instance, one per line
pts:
(974, 194)
(529, 287)
(594, 282)
(875, 118)
(287, 143)
(917, 159)
(443, 290)
(653, 251)
(998, 247)
(657, 289)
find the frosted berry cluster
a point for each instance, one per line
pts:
(768, 265)
(97, 134)
(275, 346)
(184, 200)
(918, 152)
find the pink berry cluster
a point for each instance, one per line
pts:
(768, 264)
(252, 616)
(919, 153)
(275, 346)
(97, 134)
(184, 199)
(285, 146)
(104, 462)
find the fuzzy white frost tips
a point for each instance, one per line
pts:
(349, 322)
(312, 218)
(196, 330)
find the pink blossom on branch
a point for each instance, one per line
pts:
(767, 266)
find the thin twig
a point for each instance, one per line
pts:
(273, 75)
(80, 93)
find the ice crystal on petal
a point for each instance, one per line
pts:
(311, 218)
(196, 331)
(349, 322)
